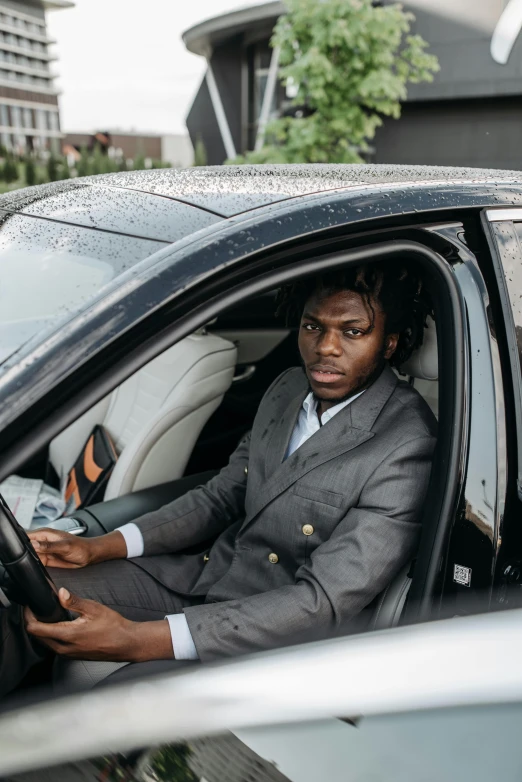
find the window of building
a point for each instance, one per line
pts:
(41, 123)
(16, 116)
(4, 115)
(258, 57)
(52, 120)
(27, 115)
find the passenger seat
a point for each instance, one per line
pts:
(155, 417)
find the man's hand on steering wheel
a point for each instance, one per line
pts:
(63, 550)
(26, 557)
(60, 549)
(99, 633)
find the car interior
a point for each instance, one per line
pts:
(184, 412)
(176, 421)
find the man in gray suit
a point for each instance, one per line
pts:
(317, 510)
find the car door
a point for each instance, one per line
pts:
(404, 705)
(503, 230)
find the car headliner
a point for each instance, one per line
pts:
(191, 199)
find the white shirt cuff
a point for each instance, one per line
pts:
(133, 540)
(182, 643)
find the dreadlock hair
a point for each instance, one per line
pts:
(393, 286)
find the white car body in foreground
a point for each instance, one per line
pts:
(282, 703)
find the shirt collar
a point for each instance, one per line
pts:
(310, 408)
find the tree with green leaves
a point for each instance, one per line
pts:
(65, 171)
(83, 167)
(350, 61)
(139, 162)
(10, 172)
(170, 764)
(200, 153)
(30, 172)
(53, 174)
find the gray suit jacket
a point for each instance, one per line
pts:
(359, 481)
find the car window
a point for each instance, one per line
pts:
(513, 274)
(49, 268)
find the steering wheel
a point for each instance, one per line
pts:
(33, 584)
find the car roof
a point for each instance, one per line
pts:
(232, 190)
(225, 191)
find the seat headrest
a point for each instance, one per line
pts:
(423, 362)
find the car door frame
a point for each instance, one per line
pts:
(183, 315)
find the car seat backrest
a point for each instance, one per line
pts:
(156, 416)
(389, 606)
(423, 366)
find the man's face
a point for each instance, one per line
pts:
(343, 345)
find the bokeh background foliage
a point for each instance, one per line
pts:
(351, 62)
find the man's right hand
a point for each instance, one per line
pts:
(63, 550)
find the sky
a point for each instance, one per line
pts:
(122, 63)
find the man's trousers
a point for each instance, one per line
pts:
(120, 585)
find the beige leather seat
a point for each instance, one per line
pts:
(423, 367)
(156, 416)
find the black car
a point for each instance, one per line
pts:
(103, 275)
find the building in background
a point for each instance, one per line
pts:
(470, 115)
(171, 148)
(29, 113)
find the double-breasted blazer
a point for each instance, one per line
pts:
(303, 544)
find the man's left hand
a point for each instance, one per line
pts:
(99, 633)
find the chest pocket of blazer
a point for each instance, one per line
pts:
(316, 494)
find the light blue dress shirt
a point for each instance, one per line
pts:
(307, 424)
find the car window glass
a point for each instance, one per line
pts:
(219, 758)
(513, 274)
(48, 269)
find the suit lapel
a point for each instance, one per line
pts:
(346, 430)
(282, 431)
